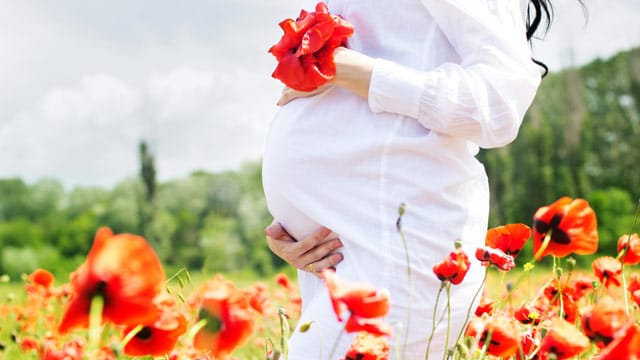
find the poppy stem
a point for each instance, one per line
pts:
(446, 341)
(543, 247)
(401, 212)
(624, 288)
(433, 321)
(622, 255)
(485, 345)
(130, 335)
(473, 300)
(284, 333)
(194, 330)
(95, 321)
(557, 274)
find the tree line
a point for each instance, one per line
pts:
(580, 138)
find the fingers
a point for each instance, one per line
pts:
(289, 94)
(314, 253)
(276, 231)
(328, 262)
(313, 240)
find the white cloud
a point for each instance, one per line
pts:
(75, 133)
(573, 39)
(83, 82)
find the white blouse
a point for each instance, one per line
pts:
(450, 76)
(481, 92)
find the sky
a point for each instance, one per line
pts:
(83, 82)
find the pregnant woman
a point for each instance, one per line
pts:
(421, 87)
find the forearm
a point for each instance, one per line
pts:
(353, 71)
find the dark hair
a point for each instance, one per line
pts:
(537, 12)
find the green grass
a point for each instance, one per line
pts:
(11, 293)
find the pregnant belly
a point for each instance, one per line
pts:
(322, 155)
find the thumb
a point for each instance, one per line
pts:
(274, 230)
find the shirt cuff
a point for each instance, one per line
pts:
(395, 89)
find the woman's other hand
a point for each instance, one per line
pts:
(314, 253)
(289, 94)
(353, 72)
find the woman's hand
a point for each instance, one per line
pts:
(313, 253)
(289, 94)
(353, 72)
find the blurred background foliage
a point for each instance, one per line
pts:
(581, 138)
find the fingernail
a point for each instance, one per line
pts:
(338, 258)
(269, 230)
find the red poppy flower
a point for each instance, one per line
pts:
(601, 321)
(581, 285)
(42, 278)
(485, 305)
(283, 280)
(453, 268)
(529, 342)
(29, 343)
(634, 288)
(126, 272)
(608, 270)
(573, 228)
(509, 238)
(362, 300)
(569, 308)
(626, 344)
(52, 349)
(259, 298)
(552, 291)
(501, 333)
(563, 340)
(305, 51)
(229, 318)
(630, 244)
(528, 314)
(373, 326)
(366, 346)
(160, 337)
(496, 257)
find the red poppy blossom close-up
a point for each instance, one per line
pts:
(509, 238)
(453, 268)
(485, 305)
(634, 288)
(228, 315)
(160, 337)
(528, 314)
(630, 245)
(125, 271)
(305, 51)
(375, 326)
(601, 321)
(563, 341)
(572, 226)
(366, 346)
(608, 270)
(41, 277)
(358, 299)
(497, 257)
(625, 345)
(500, 334)
(581, 285)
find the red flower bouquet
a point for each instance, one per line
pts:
(305, 51)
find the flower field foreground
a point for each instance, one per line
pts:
(120, 304)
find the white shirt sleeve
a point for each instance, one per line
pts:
(485, 96)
